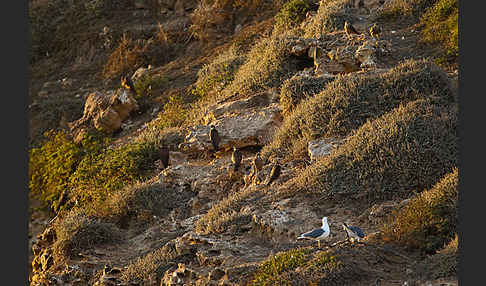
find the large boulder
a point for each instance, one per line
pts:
(106, 111)
(237, 126)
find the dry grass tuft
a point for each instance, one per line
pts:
(330, 17)
(227, 212)
(297, 88)
(349, 101)
(78, 232)
(150, 268)
(429, 220)
(126, 58)
(408, 148)
(268, 64)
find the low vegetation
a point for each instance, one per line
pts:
(298, 88)
(302, 265)
(394, 10)
(408, 148)
(52, 165)
(268, 64)
(330, 17)
(151, 267)
(77, 233)
(226, 213)
(212, 78)
(291, 14)
(349, 101)
(90, 169)
(429, 221)
(441, 27)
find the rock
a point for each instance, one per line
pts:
(342, 60)
(252, 128)
(259, 100)
(141, 72)
(319, 148)
(366, 55)
(106, 111)
(181, 276)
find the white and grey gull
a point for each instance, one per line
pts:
(317, 234)
(353, 232)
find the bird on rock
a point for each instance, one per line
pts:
(214, 136)
(274, 173)
(349, 29)
(353, 232)
(317, 234)
(375, 30)
(164, 156)
(236, 158)
(127, 83)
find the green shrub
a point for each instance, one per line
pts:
(173, 114)
(77, 232)
(100, 173)
(429, 220)
(303, 266)
(297, 88)
(269, 270)
(291, 14)
(408, 148)
(147, 84)
(441, 26)
(330, 17)
(349, 101)
(53, 163)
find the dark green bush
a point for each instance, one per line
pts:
(53, 163)
(100, 173)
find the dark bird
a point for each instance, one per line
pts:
(317, 234)
(164, 156)
(274, 174)
(349, 29)
(127, 83)
(214, 136)
(375, 30)
(353, 232)
(236, 158)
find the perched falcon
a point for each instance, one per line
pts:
(349, 29)
(273, 174)
(214, 136)
(236, 158)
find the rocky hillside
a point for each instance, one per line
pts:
(357, 124)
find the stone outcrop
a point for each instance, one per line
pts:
(241, 123)
(105, 111)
